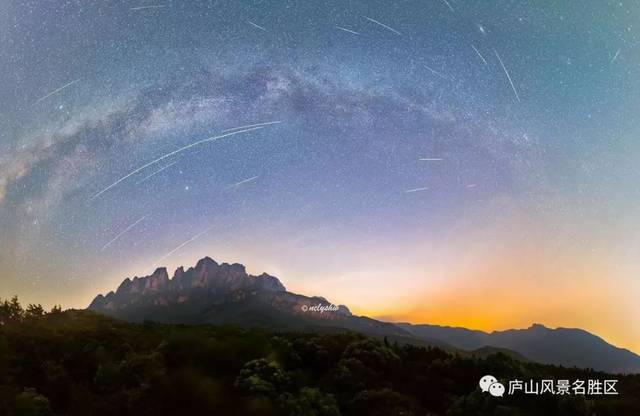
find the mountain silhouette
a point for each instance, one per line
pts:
(212, 293)
(561, 346)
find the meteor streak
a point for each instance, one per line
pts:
(448, 5)
(122, 233)
(252, 125)
(256, 26)
(241, 182)
(195, 237)
(408, 191)
(158, 6)
(347, 30)
(615, 56)
(383, 25)
(480, 55)
(156, 172)
(182, 149)
(56, 91)
(508, 76)
(435, 72)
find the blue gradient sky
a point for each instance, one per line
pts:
(531, 215)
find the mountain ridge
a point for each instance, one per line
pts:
(212, 293)
(226, 294)
(560, 346)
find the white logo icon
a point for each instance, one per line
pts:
(490, 384)
(496, 389)
(487, 381)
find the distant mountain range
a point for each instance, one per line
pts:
(212, 293)
(561, 346)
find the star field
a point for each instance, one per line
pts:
(413, 160)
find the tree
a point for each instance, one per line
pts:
(309, 402)
(373, 354)
(4, 356)
(262, 377)
(30, 403)
(11, 311)
(382, 403)
(34, 311)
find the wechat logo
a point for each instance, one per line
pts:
(490, 384)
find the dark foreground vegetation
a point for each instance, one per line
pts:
(80, 363)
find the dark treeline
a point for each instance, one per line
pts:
(11, 311)
(81, 363)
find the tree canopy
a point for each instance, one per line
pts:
(81, 363)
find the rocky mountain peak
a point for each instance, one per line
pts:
(178, 273)
(268, 282)
(207, 275)
(206, 263)
(157, 281)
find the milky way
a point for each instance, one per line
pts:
(405, 159)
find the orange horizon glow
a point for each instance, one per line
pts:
(478, 279)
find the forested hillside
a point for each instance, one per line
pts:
(82, 363)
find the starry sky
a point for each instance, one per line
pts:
(461, 163)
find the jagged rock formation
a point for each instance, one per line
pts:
(207, 276)
(212, 293)
(226, 294)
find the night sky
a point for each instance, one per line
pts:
(461, 163)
